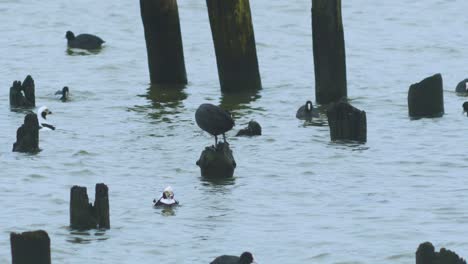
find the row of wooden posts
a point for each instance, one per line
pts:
(234, 43)
(238, 70)
(34, 248)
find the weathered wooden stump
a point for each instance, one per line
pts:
(217, 161)
(234, 42)
(329, 51)
(426, 254)
(23, 95)
(29, 91)
(426, 98)
(163, 41)
(347, 122)
(27, 135)
(252, 129)
(30, 247)
(83, 215)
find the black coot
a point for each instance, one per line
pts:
(245, 258)
(307, 111)
(83, 41)
(63, 94)
(214, 120)
(465, 107)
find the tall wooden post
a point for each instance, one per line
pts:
(329, 51)
(30, 248)
(163, 41)
(234, 42)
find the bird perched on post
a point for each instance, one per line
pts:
(214, 120)
(83, 41)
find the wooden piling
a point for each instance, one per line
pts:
(426, 254)
(101, 205)
(426, 98)
(163, 41)
(83, 215)
(30, 247)
(347, 122)
(234, 42)
(27, 136)
(217, 161)
(329, 51)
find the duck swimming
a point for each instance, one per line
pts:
(245, 258)
(83, 41)
(167, 198)
(307, 111)
(64, 94)
(42, 113)
(465, 107)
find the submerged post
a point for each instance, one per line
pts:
(217, 161)
(426, 254)
(83, 215)
(426, 98)
(163, 41)
(234, 42)
(347, 122)
(30, 247)
(329, 51)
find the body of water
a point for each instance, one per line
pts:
(296, 197)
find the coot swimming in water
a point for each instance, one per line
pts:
(83, 41)
(465, 107)
(245, 258)
(214, 120)
(63, 94)
(307, 111)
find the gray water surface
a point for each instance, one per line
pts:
(296, 197)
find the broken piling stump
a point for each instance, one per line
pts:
(163, 41)
(23, 95)
(217, 161)
(426, 98)
(329, 51)
(234, 42)
(347, 122)
(426, 254)
(83, 215)
(27, 135)
(30, 247)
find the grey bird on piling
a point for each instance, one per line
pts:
(245, 258)
(83, 41)
(64, 94)
(465, 107)
(214, 120)
(307, 111)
